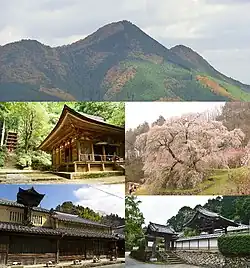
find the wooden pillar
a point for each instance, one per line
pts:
(103, 167)
(208, 242)
(7, 250)
(85, 249)
(78, 146)
(198, 243)
(57, 250)
(104, 153)
(92, 152)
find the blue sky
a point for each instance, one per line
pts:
(54, 194)
(101, 198)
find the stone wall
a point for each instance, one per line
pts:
(212, 259)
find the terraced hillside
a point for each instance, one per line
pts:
(117, 62)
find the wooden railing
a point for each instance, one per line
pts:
(98, 157)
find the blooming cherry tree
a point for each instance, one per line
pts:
(179, 153)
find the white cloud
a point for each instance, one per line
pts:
(159, 209)
(139, 112)
(103, 198)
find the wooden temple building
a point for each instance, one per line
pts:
(206, 221)
(84, 143)
(30, 234)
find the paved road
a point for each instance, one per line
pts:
(133, 263)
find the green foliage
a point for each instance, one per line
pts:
(134, 221)
(112, 112)
(155, 81)
(182, 217)
(41, 160)
(33, 159)
(24, 160)
(234, 245)
(3, 153)
(188, 232)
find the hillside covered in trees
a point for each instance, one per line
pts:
(112, 220)
(199, 153)
(117, 62)
(32, 121)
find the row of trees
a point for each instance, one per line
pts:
(87, 213)
(33, 122)
(179, 152)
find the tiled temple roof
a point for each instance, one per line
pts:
(155, 227)
(75, 232)
(210, 215)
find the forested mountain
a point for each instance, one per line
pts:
(117, 62)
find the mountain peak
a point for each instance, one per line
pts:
(183, 49)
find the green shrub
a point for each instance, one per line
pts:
(41, 160)
(34, 159)
(2, 158)
(23, 160)
(234, 245)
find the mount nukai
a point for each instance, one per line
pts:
(117, 62)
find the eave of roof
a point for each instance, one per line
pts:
(9, 203)
(66, 110)
(70, 232)
(155, 227)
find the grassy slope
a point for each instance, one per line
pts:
(218, 183)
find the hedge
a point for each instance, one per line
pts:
(141, 255)
(234, 245)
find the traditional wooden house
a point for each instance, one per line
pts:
(84, 143)
(30, 234)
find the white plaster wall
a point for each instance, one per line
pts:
(193, 244)
(214, 243)
(203, 243)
